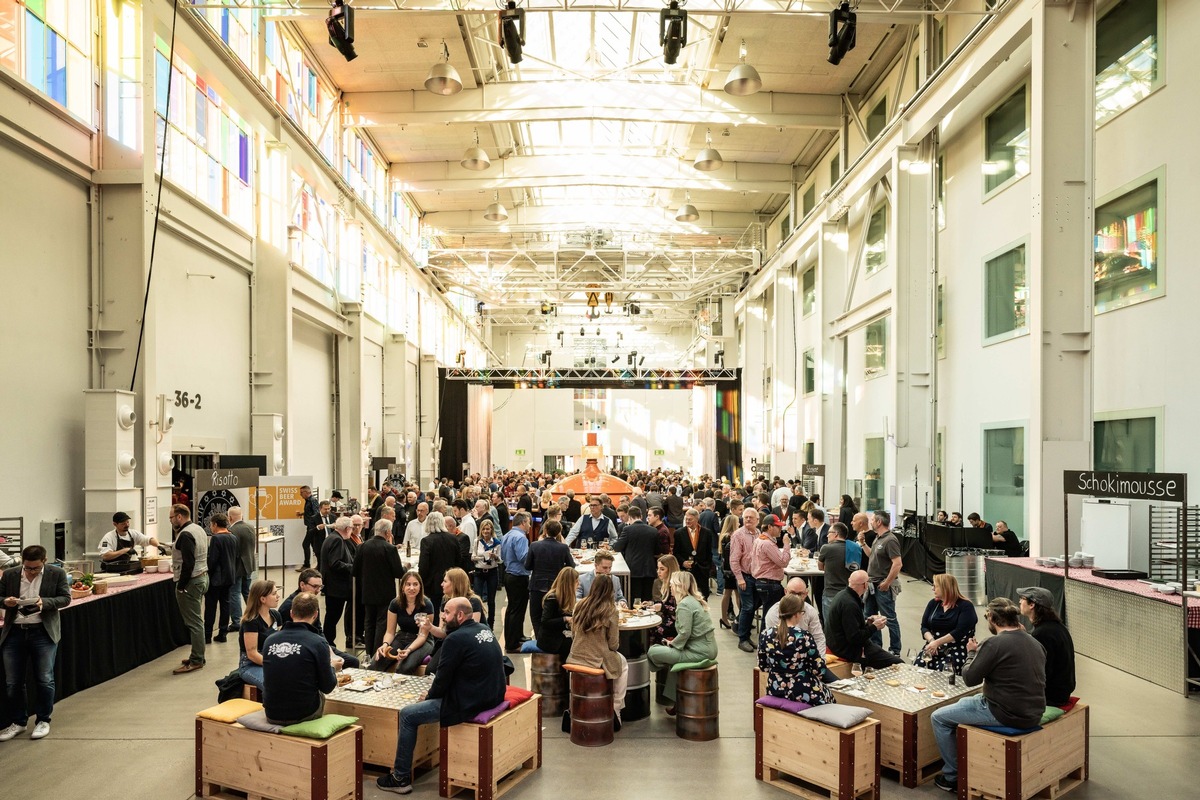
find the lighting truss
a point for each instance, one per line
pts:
(574, 378)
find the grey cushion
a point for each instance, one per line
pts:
(837, 715)
(257, 721)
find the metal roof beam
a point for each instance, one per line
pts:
(573, 217)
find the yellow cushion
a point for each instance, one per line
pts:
(230, 710)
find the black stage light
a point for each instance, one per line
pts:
(340, 23)
(843, 24)
(672, 31)
(512, 31)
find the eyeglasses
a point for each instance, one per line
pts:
(32, 570)
(313, 585)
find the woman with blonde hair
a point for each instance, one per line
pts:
(730, 596)
(787, 655)
(694, 629)
(558, 607)
(948, 622)
(595, 630)
(258, 622)
(664, 604)
(406, 645)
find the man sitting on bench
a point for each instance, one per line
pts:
(1012, 668)
(297, 673)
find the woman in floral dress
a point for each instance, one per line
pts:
(788, 656)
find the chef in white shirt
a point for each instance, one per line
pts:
(117, 546)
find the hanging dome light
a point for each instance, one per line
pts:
(743, 79)
(475, 158)
(687, 212)
(443, 77)
(496, 212)
(709, 159)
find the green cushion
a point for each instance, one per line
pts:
(321, 727)
(1050, 714)
(705, 664)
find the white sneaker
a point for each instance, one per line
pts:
(40, 731)
(12, 731)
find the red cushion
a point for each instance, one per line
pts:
(515, 695)
(1070, 703)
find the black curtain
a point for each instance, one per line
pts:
(729, 428)
(452, 426)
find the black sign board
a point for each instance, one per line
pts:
(227, 479)
(382, 462)
(813, 470)
(1168, 487)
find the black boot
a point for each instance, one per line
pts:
(566, 722)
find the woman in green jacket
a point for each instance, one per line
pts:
(694, 629)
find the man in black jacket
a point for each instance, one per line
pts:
(848, 632)
(469, 679)
(297, 673)
(439, 552)
(641, 546)
(246, 566)
(693, 550)
(311, 581)
(377, 565)
(222, 570)
(1037, 605)
(312, 518)
(337, 567)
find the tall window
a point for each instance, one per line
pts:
(876, 255)
(877, 119)
(237, 27)
(810, 371)
(1125, 445)
(1126, 56)
(810, 452)
(785, 228)
(875, 476)
(808, 290)
(941, 191)
(876, 362)
(835, 168)
(1005, 301)
(1126, 249)
(939, 330)
(1004, 476)
(1006, 139)
(51, 49)
(809, 201)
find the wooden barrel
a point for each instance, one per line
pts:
(591, 710)
(550, 681)
(697, 707)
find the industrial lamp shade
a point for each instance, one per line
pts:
(743, 80)
(475, 158)
(687, 213)
(708, 160)
(443, 79)
(496, 212)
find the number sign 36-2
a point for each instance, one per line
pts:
(187, 400)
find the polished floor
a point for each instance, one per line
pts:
(132, 738)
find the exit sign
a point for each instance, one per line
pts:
(520, 452)
(660, 452)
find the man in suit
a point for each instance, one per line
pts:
(337, 568)
(439, 552)
(641, 546)
(574, 510)
(693, 550)
(816, 535)
(377, 565)
(246, 566)
(710, 522)
(312, 518)
(33, 594)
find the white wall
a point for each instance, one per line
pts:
(310, 429)
(43, 335)
(640, 421)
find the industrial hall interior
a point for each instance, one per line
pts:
(891, 277)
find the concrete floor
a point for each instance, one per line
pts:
(133, 738)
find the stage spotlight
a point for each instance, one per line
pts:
(512, 31)
(340, 24)
(672, 31)
(843, 24)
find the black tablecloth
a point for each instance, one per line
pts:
(1003, 578)
(111, 635)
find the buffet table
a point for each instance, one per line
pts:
(106, 635)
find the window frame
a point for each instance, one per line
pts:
(999, 188)
(1156, 413)
(805, 312)
(882, 103)
(883, 206)
(984, 428)
(1157, 175)
(992, 256)
(808, 201)
(1160, 79)
(808, 388)
(883, 371)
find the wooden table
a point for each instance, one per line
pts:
(378, 713)
(906, 741)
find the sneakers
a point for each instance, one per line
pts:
(190, 666)
(12, 731)
(40, 731)
(746, 647)
(390, 783)
(945, 784)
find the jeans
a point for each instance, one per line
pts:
(217, 597)
(238, 593)
(517, 589)
(717, 564)
(486, 583)
(190, 601)
(878, 602)
(971, 710)
(250, 672)
(411, 718)
(767, 593)
(27, 644)
(749, 610)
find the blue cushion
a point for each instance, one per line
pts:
(783, 704)
(1004, 730)
(530, 647)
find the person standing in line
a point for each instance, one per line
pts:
(189, 568)
(514, 546)
(246, 567)
(33, 595)
(222, 567)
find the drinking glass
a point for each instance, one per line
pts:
(857, 671)
(949, 672)
(869, 674)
